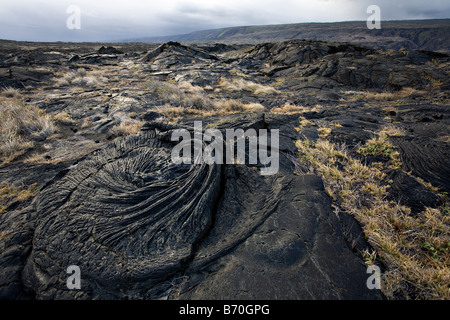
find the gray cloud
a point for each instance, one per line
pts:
(114, 20)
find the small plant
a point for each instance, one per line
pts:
(64, 118)
(324, 132)
(127, 127)
(369, 256)
(435, 251)
(392, 131)
(381, 146)
(233, 105)
(376, 147)
(10, 93)
(303, 123)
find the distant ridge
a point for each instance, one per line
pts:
(433, 35)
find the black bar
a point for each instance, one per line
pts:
(227, 309)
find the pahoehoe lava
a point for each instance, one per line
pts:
(129, 209)
(107, 198)
(134, 223)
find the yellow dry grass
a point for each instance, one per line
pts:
(63, 118)
(239, 84)
(81, 78)
(214, 108)
(292, 109)
(386, 95)
(128, 127)
(10, 194)
(20, 126)
(414, 249)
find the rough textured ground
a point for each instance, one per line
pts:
(111, 201)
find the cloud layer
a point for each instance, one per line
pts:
(103, 20)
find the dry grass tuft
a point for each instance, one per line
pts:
(10, 194)
(20, 126)
(128, 127)
(81, 78)
(186, 100)
(392, 131)
(324, 132)
(291, 109)
(10, 93)
(233, 106)
(186, 86)
(64, 118)
(177, 113)
(190, 100)
(182, 95)
(209, 108)
(386, 96)
(237, 85)
(381, 146)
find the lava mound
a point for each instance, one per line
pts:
(127, 216)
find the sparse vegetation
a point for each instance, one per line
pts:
(213, 108)
(324, 132)
(10, 93)
(127, 127)
(392, 131)
(188, 87)
(63, 118)
(10, 194)
(385, 95)
(381, 146)
(239, 84)
(414, 249)
(182, 95)
(305, 122)
(65, 123)
(81, 78)
(231, 106)
(184, 99)
(21, 125)
(291, 109)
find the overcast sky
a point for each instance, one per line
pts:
(106, 20)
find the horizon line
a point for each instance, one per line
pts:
(136, 39)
